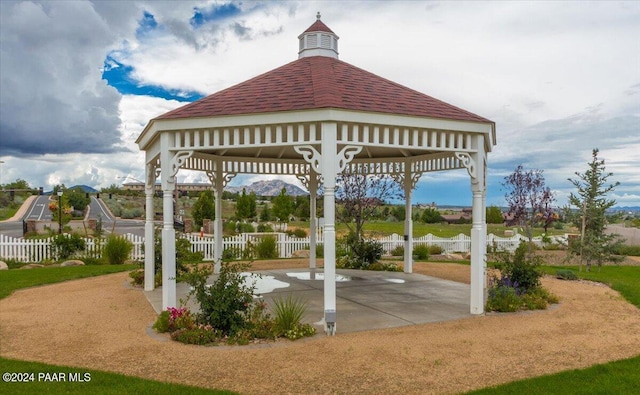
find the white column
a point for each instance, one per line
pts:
(408, 221)
(149, 235)
(217, 222)
(484, 230)
(478, 230)
(168, 232)
(329, 166)
(313, 221)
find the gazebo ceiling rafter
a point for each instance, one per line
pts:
(313, 118)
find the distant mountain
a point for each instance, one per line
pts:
(269, 188)
(85, 188)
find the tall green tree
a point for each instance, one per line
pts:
(246, 205)
(494, 215)
(203, 208)
(591, 204)
(302, 207)
(77, 198)
(282, 206)
(431, 216)
(265, 214)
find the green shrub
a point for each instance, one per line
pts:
(521, 269)
(267, 248)
(258, 324)
(288, 312)
(65, 246)
(566, 274)
(533, 301)
(363, 253)
(299, 331)
(630, 250)
(137, 277)
(398, 251)
(117, 249)
(319, 250)
(93, 261)
(245, 228)
(421, 252)
(162, 322)
(385, 266)
(224, 303)
(184, 255)
(263, 228)
(298, 232)
(199, 335)
(503, 298)
(538, 299)
(229, 255)
(435, 250)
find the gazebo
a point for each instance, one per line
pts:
(314, 118)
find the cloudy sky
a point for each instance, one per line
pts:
(80, 79)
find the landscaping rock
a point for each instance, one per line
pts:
(3, 266)
(32, 266)
(300, 254)
(72, 262)
(453, 257)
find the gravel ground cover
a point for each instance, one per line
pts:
(103, 323)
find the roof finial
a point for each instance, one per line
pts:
(318, 15)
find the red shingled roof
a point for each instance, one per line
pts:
(318, 26)
(320, 82)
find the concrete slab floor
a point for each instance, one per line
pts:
(366, 300)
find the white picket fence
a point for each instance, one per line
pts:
(460, 243)
(31, 250)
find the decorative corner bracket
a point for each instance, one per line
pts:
(304, 179)
(226, 178)
(399, 178)
(346, 155)
(468, 163)
(176, 163)
(311, 156)
(153, 172)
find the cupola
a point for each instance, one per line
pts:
(318, 40)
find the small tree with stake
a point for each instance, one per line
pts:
(590, 201)
(529, 199)
(360, 194)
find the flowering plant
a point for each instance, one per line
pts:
(180, 318)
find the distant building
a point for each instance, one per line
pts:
(182, 187)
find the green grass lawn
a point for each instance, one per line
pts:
(7, 212)
(619, 377)
(94, 381)
(624, 279)
(11, 280)
(385, 228)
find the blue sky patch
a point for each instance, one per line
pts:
(119, 76)
(147, 24)
(215, 13)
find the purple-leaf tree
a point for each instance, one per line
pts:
(529, 200)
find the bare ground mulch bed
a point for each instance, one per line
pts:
(102, 323)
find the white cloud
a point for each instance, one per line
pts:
(559, 78)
